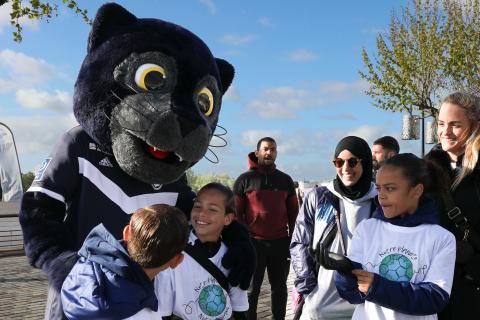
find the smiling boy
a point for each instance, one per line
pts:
(190, 291)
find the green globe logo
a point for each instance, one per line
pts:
(212, 300)
(396, 267)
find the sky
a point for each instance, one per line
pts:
(296, 79)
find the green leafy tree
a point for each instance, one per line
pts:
(38, 10)
(463, 26)
(197, 181)
(27, 179)
(431, 48)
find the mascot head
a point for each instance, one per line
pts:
(149, 92)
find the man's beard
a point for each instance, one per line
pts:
(270, 163)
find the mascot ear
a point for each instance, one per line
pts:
(226, 73)
(109, 19)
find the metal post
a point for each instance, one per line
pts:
(423, 134)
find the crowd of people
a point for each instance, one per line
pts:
(392, 236)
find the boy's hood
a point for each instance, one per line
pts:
(101, 247)
(253, 164)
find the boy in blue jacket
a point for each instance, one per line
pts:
(113, 278)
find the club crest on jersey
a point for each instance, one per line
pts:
(105, 162)
(41, 170)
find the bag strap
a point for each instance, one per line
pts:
(334, 227)
(339, 230)
(339, 227)
(331, 229)
(208, 265)
(455, 215)
(461, 222)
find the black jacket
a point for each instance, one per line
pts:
(466, 196)
(465, 296)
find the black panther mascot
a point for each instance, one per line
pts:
(147, 99)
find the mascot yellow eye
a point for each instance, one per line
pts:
(205, 101)
(150, 76)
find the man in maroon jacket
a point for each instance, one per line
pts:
(267, 204)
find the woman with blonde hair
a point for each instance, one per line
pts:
(458, 129)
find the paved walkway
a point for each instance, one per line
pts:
(23, 291)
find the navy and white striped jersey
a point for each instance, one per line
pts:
(94, 189)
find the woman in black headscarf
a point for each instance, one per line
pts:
(328, 217)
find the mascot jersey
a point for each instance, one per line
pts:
(191, 292)
(92, 187)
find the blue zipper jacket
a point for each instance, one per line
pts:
(422, 298)
(106, 283)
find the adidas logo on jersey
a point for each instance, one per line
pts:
(105, 162)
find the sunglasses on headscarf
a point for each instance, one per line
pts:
(352, 162)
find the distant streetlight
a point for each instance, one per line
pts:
(411, 125)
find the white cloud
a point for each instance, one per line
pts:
(35, 136)
(299, 143)
(6, 86)
(312, 171)
(368, 133)
(61, 101)
(281, 102)
(341, 90)
(250, 138)
(212, 8)
(5, 20)
(24, 70)
(4, 17)
(232, 94)
(264, 21)
(286, 102)
(341, 117)
(302, 55)
(293, 143)
(237, 40)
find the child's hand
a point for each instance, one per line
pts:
(364, 279)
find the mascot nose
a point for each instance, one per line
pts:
(187, 126)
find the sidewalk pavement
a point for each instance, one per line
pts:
(23, 291)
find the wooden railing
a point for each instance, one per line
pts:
(11, 238)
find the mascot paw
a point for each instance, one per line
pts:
(58, 269)
(240, 257)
